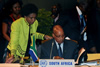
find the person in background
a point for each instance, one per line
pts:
(86, 14)
(22, 32)
(12, 10)
(59, 47)
(56, 13)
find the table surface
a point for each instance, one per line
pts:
(18, 65)
(75, 66)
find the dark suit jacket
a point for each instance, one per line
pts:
(70, 50)
(97, 30)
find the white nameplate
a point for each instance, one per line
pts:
(56, 63)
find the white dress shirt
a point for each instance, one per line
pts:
(61, 45)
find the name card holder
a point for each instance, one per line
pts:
(56, 63)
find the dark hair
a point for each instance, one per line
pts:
(28, 9)
(10, 4)
(88, 4)
(58, 8)
(83, 4)
(82, 1)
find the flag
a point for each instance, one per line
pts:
(33, 51)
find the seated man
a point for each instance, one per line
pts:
(58, 47)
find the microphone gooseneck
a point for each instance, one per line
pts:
(51, 49)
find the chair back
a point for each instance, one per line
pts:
(81, 56)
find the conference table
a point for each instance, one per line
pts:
(18, 65)
(75, 66)
(85, 64)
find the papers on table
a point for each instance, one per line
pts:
(89, 63)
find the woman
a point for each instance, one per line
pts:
(13, 8)
(22, 32)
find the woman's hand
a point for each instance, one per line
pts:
(10, 59)
(47, 37)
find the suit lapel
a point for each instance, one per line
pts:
(55, 51)
(65, 49)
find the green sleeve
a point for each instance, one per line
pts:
(14, 38)
(39, 36)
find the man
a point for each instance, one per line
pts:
(86, 28)
(59, 48)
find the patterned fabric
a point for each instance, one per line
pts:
(19, 36)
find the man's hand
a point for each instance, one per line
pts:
(47, 37)
(57, 57)
(9, 60)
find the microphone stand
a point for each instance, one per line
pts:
(51, 50)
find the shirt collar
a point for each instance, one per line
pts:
(57, 42)
(78, 10)
(61, 45)
(56, 18)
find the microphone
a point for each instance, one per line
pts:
(51, 49)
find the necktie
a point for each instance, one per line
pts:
(60, 51)
(29, 42)
(82, 23)
(82, 26)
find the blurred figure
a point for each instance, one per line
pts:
(59, 47)
(98, 4)
(56, 10)
(12, 13)
(81, 10)
(86, 40)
